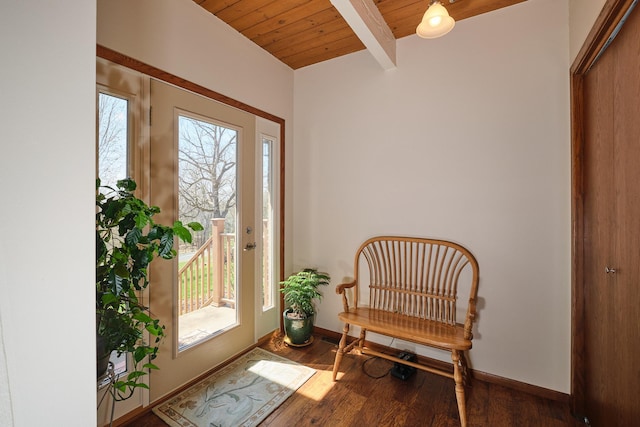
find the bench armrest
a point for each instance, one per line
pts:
(340, 289)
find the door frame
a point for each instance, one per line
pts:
(156, 73)
(612, 13)
(267, 130)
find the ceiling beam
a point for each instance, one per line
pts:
(367, 22)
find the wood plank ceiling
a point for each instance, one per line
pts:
(305, 32)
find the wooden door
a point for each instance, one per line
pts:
(626, 244)
(611, 234)
(598, 213)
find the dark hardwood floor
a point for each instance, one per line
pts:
(360, 399)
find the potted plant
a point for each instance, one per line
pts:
(300, 290)
(127, 240)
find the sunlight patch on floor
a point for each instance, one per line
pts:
(317, 388)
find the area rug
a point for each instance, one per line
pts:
(241, 394)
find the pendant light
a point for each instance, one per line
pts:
(436, 22)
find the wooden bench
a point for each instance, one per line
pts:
(412, 286)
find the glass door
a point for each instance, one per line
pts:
(203, 157)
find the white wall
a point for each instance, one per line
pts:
(47, 151)
(468, 140)
(583, 14)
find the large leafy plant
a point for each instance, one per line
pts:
(301, 289)
(127, 240)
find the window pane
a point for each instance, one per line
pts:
(112, 160)
(207, 194)
(267, 224)
(112, 138)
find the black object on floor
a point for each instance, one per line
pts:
(401, 370)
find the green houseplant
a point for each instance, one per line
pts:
(300, 291)
(127, 240)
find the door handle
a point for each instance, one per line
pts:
(250, 246)
(609, 270)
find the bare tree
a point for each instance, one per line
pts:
(207, 178)
(112, 138)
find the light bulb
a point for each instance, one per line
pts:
(436, 22)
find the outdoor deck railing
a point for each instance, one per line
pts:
(208, 278)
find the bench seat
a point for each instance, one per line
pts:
(419, 331)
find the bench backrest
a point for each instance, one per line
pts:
(417, 277)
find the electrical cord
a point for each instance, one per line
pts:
(375, 377)
(364, 364)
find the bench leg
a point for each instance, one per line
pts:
(459, 379)
(465, 369)
(363, 335)
(340, 352)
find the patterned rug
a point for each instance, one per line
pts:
(241, 394)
